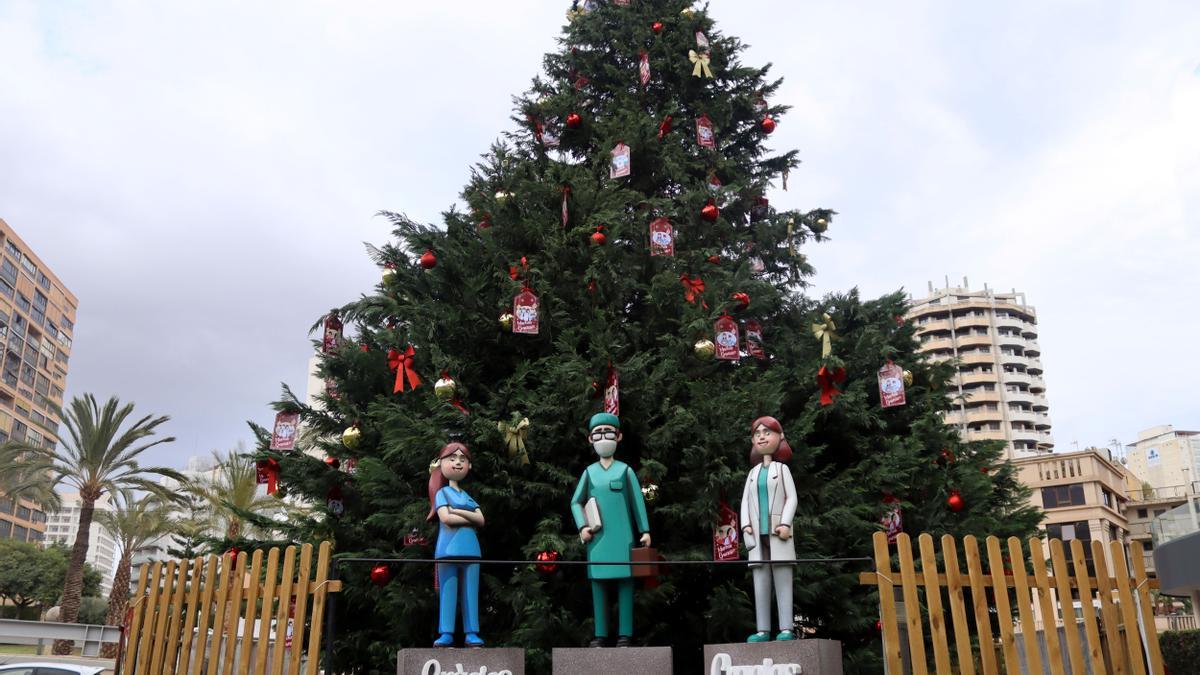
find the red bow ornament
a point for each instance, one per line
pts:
(828, 380)
(665, 127)
(692, 288)
(402, 363)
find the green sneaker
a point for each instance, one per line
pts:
(785, 635)
(761, 636)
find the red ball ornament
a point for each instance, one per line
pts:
(333, 463)
(657, 27)
(381, 575)
(714, 259)
(767, 124)
(598, 237)
(710, 212)
(955, 502)
(428, 259)
(231, 556)
(546, 560)
(574, 121)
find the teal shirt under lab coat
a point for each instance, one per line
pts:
(619, 498)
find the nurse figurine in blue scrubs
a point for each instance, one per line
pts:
(457, 542)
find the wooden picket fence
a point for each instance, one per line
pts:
(214, 615)
(1118, 638)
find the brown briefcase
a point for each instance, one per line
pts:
(644, 554)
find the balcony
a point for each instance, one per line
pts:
(982, 396)
(934, 326)
(939, 344)
(1016, 378)
(973, 378)
(971, 321)
(1163, 494)
(1037, 384)
(977, 358)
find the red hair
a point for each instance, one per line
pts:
(783, 453)
(437, 480)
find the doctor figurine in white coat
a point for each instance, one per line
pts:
(768, 508)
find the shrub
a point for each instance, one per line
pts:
(1181, 651)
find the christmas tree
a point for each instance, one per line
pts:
(619, 247)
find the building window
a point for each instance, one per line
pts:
(19, 533)
(12, 249)
(6, 505)
(43, 281)
(23, 512)
(8, 271)
(1108, 498)
(29, 267)
(1142, 513)
(5, 529)
(1063, 495)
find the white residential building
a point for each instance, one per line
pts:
(62, 527)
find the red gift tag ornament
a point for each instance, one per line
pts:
(665, 127)
(725, 534)
(662, 238)
(620, 167)
(726, 330)
(333, 333)
(525, 313)
(754, 340)
(644, 68)
(283, 436)
(891, 385)
(612, 392)
(893, 519)
(714, 183)
(759, 210)
(704, 133)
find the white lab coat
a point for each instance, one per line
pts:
(781, 492)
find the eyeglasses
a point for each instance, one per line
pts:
(605, 435)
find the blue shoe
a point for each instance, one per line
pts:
(761, 636)
(785, 635)
(446, 640)
(473, 640)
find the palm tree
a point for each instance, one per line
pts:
(232, 490)
(96, 457)
(133, 523)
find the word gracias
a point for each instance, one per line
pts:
(432, 667)
(722, 664)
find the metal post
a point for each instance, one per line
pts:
(330, 622)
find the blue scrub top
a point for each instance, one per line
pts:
(456, 542)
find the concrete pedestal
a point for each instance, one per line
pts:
(460, 662)
(613, 661)
(810, 657)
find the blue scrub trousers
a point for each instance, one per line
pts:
(459, 583)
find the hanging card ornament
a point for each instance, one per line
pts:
(612, 392)
(644, 68)
(714, 184)
(415, 538)
(333, 501)
(283, 436)
(754, 340)
(701, 41)
(725, 534)
(549, 134)
(893, 518)
(891, 385)
(619, 168)
(704, 133)
(525, 309)
(726, 330)
(757, 266)
(662, 238)
(759, 210)
(333, 332)
(760, 104)
(267, 473)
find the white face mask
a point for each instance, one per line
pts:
(605, 449)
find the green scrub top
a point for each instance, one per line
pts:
(619, 498)
(764, 504)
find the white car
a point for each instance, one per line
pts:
(51, 669)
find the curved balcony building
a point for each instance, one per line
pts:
(999, 390)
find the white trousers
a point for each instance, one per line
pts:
(782, 577)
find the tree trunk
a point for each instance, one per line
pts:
(73, 588)
(118, 600)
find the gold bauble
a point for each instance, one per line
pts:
(688, 13)
(650, 493)
(820, 225)
(502, 197)
(350, 437)
(908, 378)
(444, 389)
(389, 275)
(506, 321)
(705, 349)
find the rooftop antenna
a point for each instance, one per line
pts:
(966, 284)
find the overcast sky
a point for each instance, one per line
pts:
(203, 175)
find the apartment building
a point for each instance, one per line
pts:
(1000, 392)
(1081, 494)
(37, 322)
(1165, 458)
(62, 527)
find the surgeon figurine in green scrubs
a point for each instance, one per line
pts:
(607, 506)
